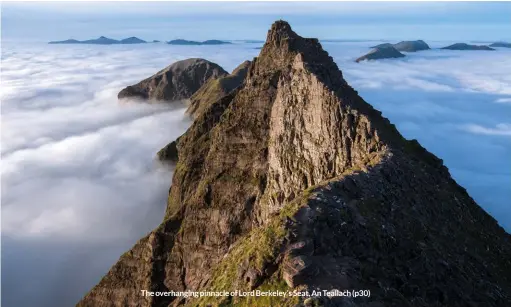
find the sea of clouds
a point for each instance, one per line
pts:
(80, 184)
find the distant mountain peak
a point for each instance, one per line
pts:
(181, 41)
(102, 40)
(178, 81)
(465, 46)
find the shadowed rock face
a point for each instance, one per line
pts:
(406, 46)
(293, 181)
(381, 53)
(178, 81)
(463, 46)
(501, 44)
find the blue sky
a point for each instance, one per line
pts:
(461, 21)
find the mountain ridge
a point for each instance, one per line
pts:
(102, 40)
(382, 52)
(293, 181)
(464, 46)
(406, 46)
(178, 81)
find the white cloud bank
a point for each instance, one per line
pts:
(79, 181)
(500, 129)
(80, 185)
(456, 103)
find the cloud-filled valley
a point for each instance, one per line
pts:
(80, 184)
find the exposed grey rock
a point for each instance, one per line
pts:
(178, 81)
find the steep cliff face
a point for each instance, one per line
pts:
(293, 181)
(177, 81)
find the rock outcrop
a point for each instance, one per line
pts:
(178, 81)
(385, 52)
(293, 181)
(202, 100)
(463, 46)
(215, 89)
(168, 153)
(406, 46)
(501, 45)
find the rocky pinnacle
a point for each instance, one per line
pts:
(292, 181)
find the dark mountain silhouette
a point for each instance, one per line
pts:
(67, 41)
(102, 41)
(384, 52)
(406, 46)
(501, 44)
(132, 40)
(463, 46)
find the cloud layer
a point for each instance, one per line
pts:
(455, 103)
(79, 180)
